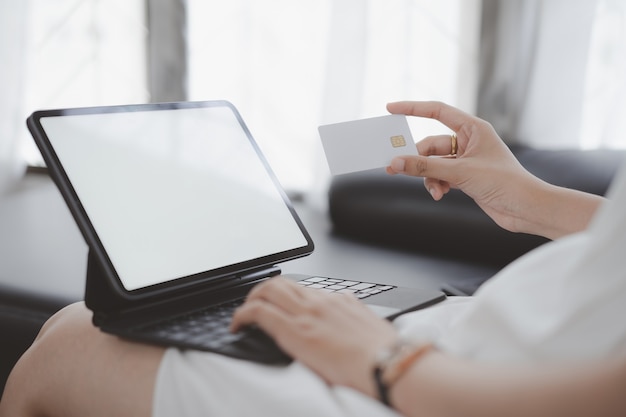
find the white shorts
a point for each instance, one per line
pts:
(193, 383)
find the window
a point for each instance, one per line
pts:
(291, 66)
(81, 53)
(288, 66)
(604, 105)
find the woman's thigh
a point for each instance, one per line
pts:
(73, 368)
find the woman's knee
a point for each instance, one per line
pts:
(64, 329)
(65, 340)
(34, 372)
(75, 369)
(72, 318)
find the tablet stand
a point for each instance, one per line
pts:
(100, 296)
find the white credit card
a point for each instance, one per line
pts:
(365, 144)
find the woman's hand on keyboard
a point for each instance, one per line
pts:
(334, 334)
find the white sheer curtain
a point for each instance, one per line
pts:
(554, 71)
(288, 66)
(66, 53)
(552, 115)
(604, 105)
(12, 45)
(291, 66)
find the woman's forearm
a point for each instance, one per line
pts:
(441, 386)
(553, 211)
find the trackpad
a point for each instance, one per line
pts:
(382, 311)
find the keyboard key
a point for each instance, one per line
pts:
(317, 286)
(336, 287)
(362, 286)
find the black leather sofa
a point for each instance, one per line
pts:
(398, 212)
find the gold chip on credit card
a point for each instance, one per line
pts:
(398, 141)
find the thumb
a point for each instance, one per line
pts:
(422, 166)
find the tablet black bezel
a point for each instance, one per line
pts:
(204, 278)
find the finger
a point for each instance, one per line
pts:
(443, 169)
(436, 188)
(281, 292)
(269, 285)
(267, 316)
(435, 145)
(448, 115)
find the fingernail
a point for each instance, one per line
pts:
(431, 191)
(397, 164)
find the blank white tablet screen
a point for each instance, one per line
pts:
(172, 193)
